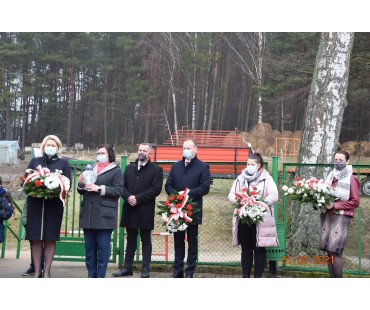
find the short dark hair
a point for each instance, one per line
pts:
(1, 181)
(148, 144)
(111, 153)
(258, 158)
(343, 152)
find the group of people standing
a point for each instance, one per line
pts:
(139, 186)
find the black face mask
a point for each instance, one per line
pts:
(340, 165)
(141, 156)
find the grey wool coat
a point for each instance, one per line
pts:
(100, 211)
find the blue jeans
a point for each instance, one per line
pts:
(97, 248)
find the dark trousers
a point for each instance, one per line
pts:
(247, 239)
(272, 267)
(97, 247)
(146, 244)
(179, 238)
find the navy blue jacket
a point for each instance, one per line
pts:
(196, 176)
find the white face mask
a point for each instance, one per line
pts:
(251, 170)
(102, 159)
(50, 150)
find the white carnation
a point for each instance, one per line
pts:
(164, 217)
(290, 191)
(51, 182)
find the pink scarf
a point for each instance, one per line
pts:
(101, 166)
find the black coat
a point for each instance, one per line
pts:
(195, 176)
(44, 216)
(100, 211)
(145, 185)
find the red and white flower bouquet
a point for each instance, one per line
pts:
(314, 191)
(177, 211)
(251, 207)
(41, 183)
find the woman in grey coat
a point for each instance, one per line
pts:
(99, 210)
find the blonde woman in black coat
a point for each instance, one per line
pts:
(99, 210)
(44, 216)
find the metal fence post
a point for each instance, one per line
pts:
(121, 237)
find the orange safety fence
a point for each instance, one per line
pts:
(207, 137)
(287, 147)
(228, 156)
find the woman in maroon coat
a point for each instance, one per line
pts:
(336, 216)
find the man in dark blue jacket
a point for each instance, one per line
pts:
(194, 174)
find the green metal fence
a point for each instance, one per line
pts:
(358, 243)
(215, 246)
(215, 241)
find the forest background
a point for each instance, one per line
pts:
(124, 88)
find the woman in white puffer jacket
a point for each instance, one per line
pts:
(253, 238)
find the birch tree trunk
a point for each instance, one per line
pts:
(261, 49)
(323, 121)
(207, 83)
(195, 52)
(251, 60)
(214, 85)
(172, 68)
(71, 96)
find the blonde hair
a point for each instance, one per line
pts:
(55, 139)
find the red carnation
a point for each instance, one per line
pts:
(38, 183)
(189, 207)
(167, 203)
(297, 179)
(178, 206)
(179, 197)
(172, 198)
(190, 213)
(244, 189)
(252, 193)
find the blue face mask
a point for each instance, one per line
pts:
(50, 150)
(187, 154)
(102, 159)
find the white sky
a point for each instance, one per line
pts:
(189, 15)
